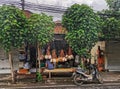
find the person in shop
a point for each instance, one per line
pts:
(49, 65)
(26, 65)
(100, 54)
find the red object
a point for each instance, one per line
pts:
(23, 71)
(100, 59)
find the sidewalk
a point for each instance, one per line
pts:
(108, 77)
(111, 76)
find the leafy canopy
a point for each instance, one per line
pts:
(40, 29)
(12, 27)
(114, 4)
(111, 28)
(111, 20)
(83, 26)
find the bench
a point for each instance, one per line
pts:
(33, 75)
(23, 75)
(59, 70)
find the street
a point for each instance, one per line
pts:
(66, 86)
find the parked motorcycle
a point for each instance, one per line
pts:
(80, 76)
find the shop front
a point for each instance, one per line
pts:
(113, 56)
(55, 55)
(55, 58)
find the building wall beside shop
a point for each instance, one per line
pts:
(94, 54)
(4, 61)
(113, 55)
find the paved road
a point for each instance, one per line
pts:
(84, 86)
(64, 83)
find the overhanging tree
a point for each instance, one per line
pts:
(12, 30)
(114, 4)
(40, 30)
(111, 29)
(83, 27)
(111, 21)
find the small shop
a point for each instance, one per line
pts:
(57, 52)
(55, 55)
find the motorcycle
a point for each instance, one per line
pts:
(80, 76)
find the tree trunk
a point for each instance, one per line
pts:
(38, 48)
(38, 76)
(11, 65)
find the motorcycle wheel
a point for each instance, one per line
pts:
(78, 79)
(99, 78)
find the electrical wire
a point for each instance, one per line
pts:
(37, 7)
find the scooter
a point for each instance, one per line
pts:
(80, 76)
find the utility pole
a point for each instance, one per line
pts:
(23, 4)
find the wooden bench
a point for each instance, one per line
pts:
(33, 75)
(59, 70)
(21, 74)
(24, 75)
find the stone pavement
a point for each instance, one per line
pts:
(111, 76)
(108, 77)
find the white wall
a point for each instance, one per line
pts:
(94, 50)
(4, 62)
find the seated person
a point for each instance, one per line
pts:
(26, 65)
(42, 66)
(49, 65)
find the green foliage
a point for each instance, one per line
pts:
(111, 22)
(83, 26)
(111, 28)
(114, 4)
(39, 76)
(78, 17)
(109, 13)
(40, 29)
(12, 27)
